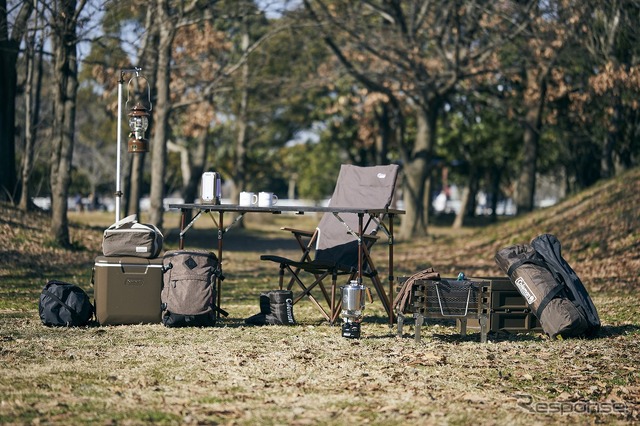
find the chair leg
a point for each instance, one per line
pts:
(306, 291)
(334, 313)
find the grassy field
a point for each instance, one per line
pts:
(309, 374)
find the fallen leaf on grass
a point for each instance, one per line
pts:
(428, 359)
(474, 397)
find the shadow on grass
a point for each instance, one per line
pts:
(618, 330)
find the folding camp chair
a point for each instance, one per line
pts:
(335, 242)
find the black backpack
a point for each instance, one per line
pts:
(64, 305)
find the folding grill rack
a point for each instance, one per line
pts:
(491, 303)
(448, 299)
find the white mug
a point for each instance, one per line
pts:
(267, 199)
(248, 198)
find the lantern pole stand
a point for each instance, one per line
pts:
(118, 194)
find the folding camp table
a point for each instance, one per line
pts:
(374, 214)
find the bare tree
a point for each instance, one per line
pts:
(170, 16)
(551, 29)
(64, 22)
(10, 39)
(416, 52)
(33, 85)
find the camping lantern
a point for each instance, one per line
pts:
(138, 122)
(353, 298)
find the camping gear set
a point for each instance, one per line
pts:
(337, 248)
(127, 279)
(133, 286)
(542, 292)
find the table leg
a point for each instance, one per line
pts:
(391, 277)
(182, 223)
(219, 276)
(360, 226)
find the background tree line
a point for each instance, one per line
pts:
(277, 94)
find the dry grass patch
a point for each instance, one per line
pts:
(309, 374)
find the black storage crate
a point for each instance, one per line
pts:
(509, 311)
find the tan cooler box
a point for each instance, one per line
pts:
(127, 290)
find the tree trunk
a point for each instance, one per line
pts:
(239, 178)
(383, 141)
(64, 107)
(467, 202)
(33, 92)
(191, 168)
(533, 126)
(197, 164)
(416, 173)
(8, 76)
(166, 30)
(9, 48)
(464, 202)
(496, 176)
(147, 52)
(607, 166)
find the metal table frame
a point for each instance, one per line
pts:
(221, 209)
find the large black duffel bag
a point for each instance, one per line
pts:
(64, 305)
(551, 287)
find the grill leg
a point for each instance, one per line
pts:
(483, 328)
(463, 326)
(400, 322)
(418, 326)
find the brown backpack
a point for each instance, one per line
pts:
(188, 292)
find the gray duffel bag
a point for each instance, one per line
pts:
(127, 237)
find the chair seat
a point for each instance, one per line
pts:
(313, 266)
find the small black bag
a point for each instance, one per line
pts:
(64, 305)
(276, 308)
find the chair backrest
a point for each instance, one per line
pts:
(364, 187)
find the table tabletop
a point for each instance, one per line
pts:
(281, 209)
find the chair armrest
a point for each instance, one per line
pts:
(303, 233)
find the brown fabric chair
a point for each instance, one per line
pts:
(333, 247)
